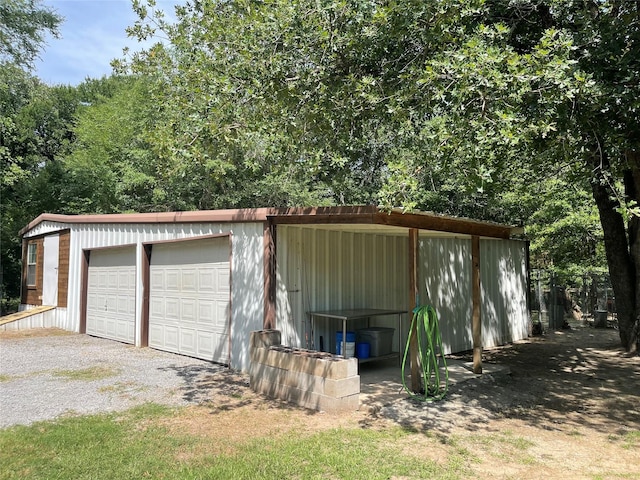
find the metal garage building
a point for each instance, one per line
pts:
(197, 283)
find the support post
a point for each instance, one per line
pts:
(84, 286)
(413, 298)
(269, 320)
(476, 323)
(146, 293)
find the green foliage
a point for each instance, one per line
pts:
(498, 110)
(23, 26)
(109, 168)
(565, 231)
(459, 107)
(35, 130)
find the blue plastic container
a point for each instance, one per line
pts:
(351, 342)
(363, 350)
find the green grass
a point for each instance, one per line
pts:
(137, 445)
(631, 439)
(628, 440)
(340, 453)
(87, 374)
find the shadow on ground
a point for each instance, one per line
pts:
(564, 379)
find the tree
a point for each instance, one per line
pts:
(437, 105)
(23, 27)
(35, 131)
(565, 231)
(580, 107)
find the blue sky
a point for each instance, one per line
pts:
(92, 34)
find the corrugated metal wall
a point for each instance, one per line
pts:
(445, 283)
(247, 270)
(503, 279)
(321, 269)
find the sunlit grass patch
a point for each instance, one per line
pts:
(87, 374)
(631, 439)
(138, 444)
(504, 445)
(123, 388)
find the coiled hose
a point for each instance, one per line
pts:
(430, 354)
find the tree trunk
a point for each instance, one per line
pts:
(622, 270)
(632, 188)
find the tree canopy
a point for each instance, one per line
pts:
(515, 111)
(24, 25)
(389, 101)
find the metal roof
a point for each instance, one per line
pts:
(340, 215)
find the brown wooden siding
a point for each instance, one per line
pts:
(32, 295)
(63, 268)
(23, 280)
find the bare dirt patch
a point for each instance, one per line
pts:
(569, 408)
(33, 332)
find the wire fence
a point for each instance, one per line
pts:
(554, 306)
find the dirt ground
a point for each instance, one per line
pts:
(568, 407)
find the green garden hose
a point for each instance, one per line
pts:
(431, 358)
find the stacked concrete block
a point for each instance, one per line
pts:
(310, 379)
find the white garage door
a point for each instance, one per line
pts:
(111, 294)
(189, 298)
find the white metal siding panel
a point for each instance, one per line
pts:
(503, 278)
(45, 228)
(247, 296)
(320, 269)
(247, 270)
(111, 294)
(189, 304)
(444, 282)
(46, 319)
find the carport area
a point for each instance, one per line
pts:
(381, 382)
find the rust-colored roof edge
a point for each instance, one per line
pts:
(438, 221)
(363, 214)
(395, 217)
(194, 216)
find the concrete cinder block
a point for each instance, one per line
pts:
(302, 378)
(350, 403)
(344, 387)
(311, 400)
(266, 373)
(335, 368)
(265, 338)
(268, 357)
(325, 386)
(303, 382)
(259, 371)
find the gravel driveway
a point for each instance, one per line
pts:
(43, 377)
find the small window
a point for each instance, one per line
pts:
(32, 255)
